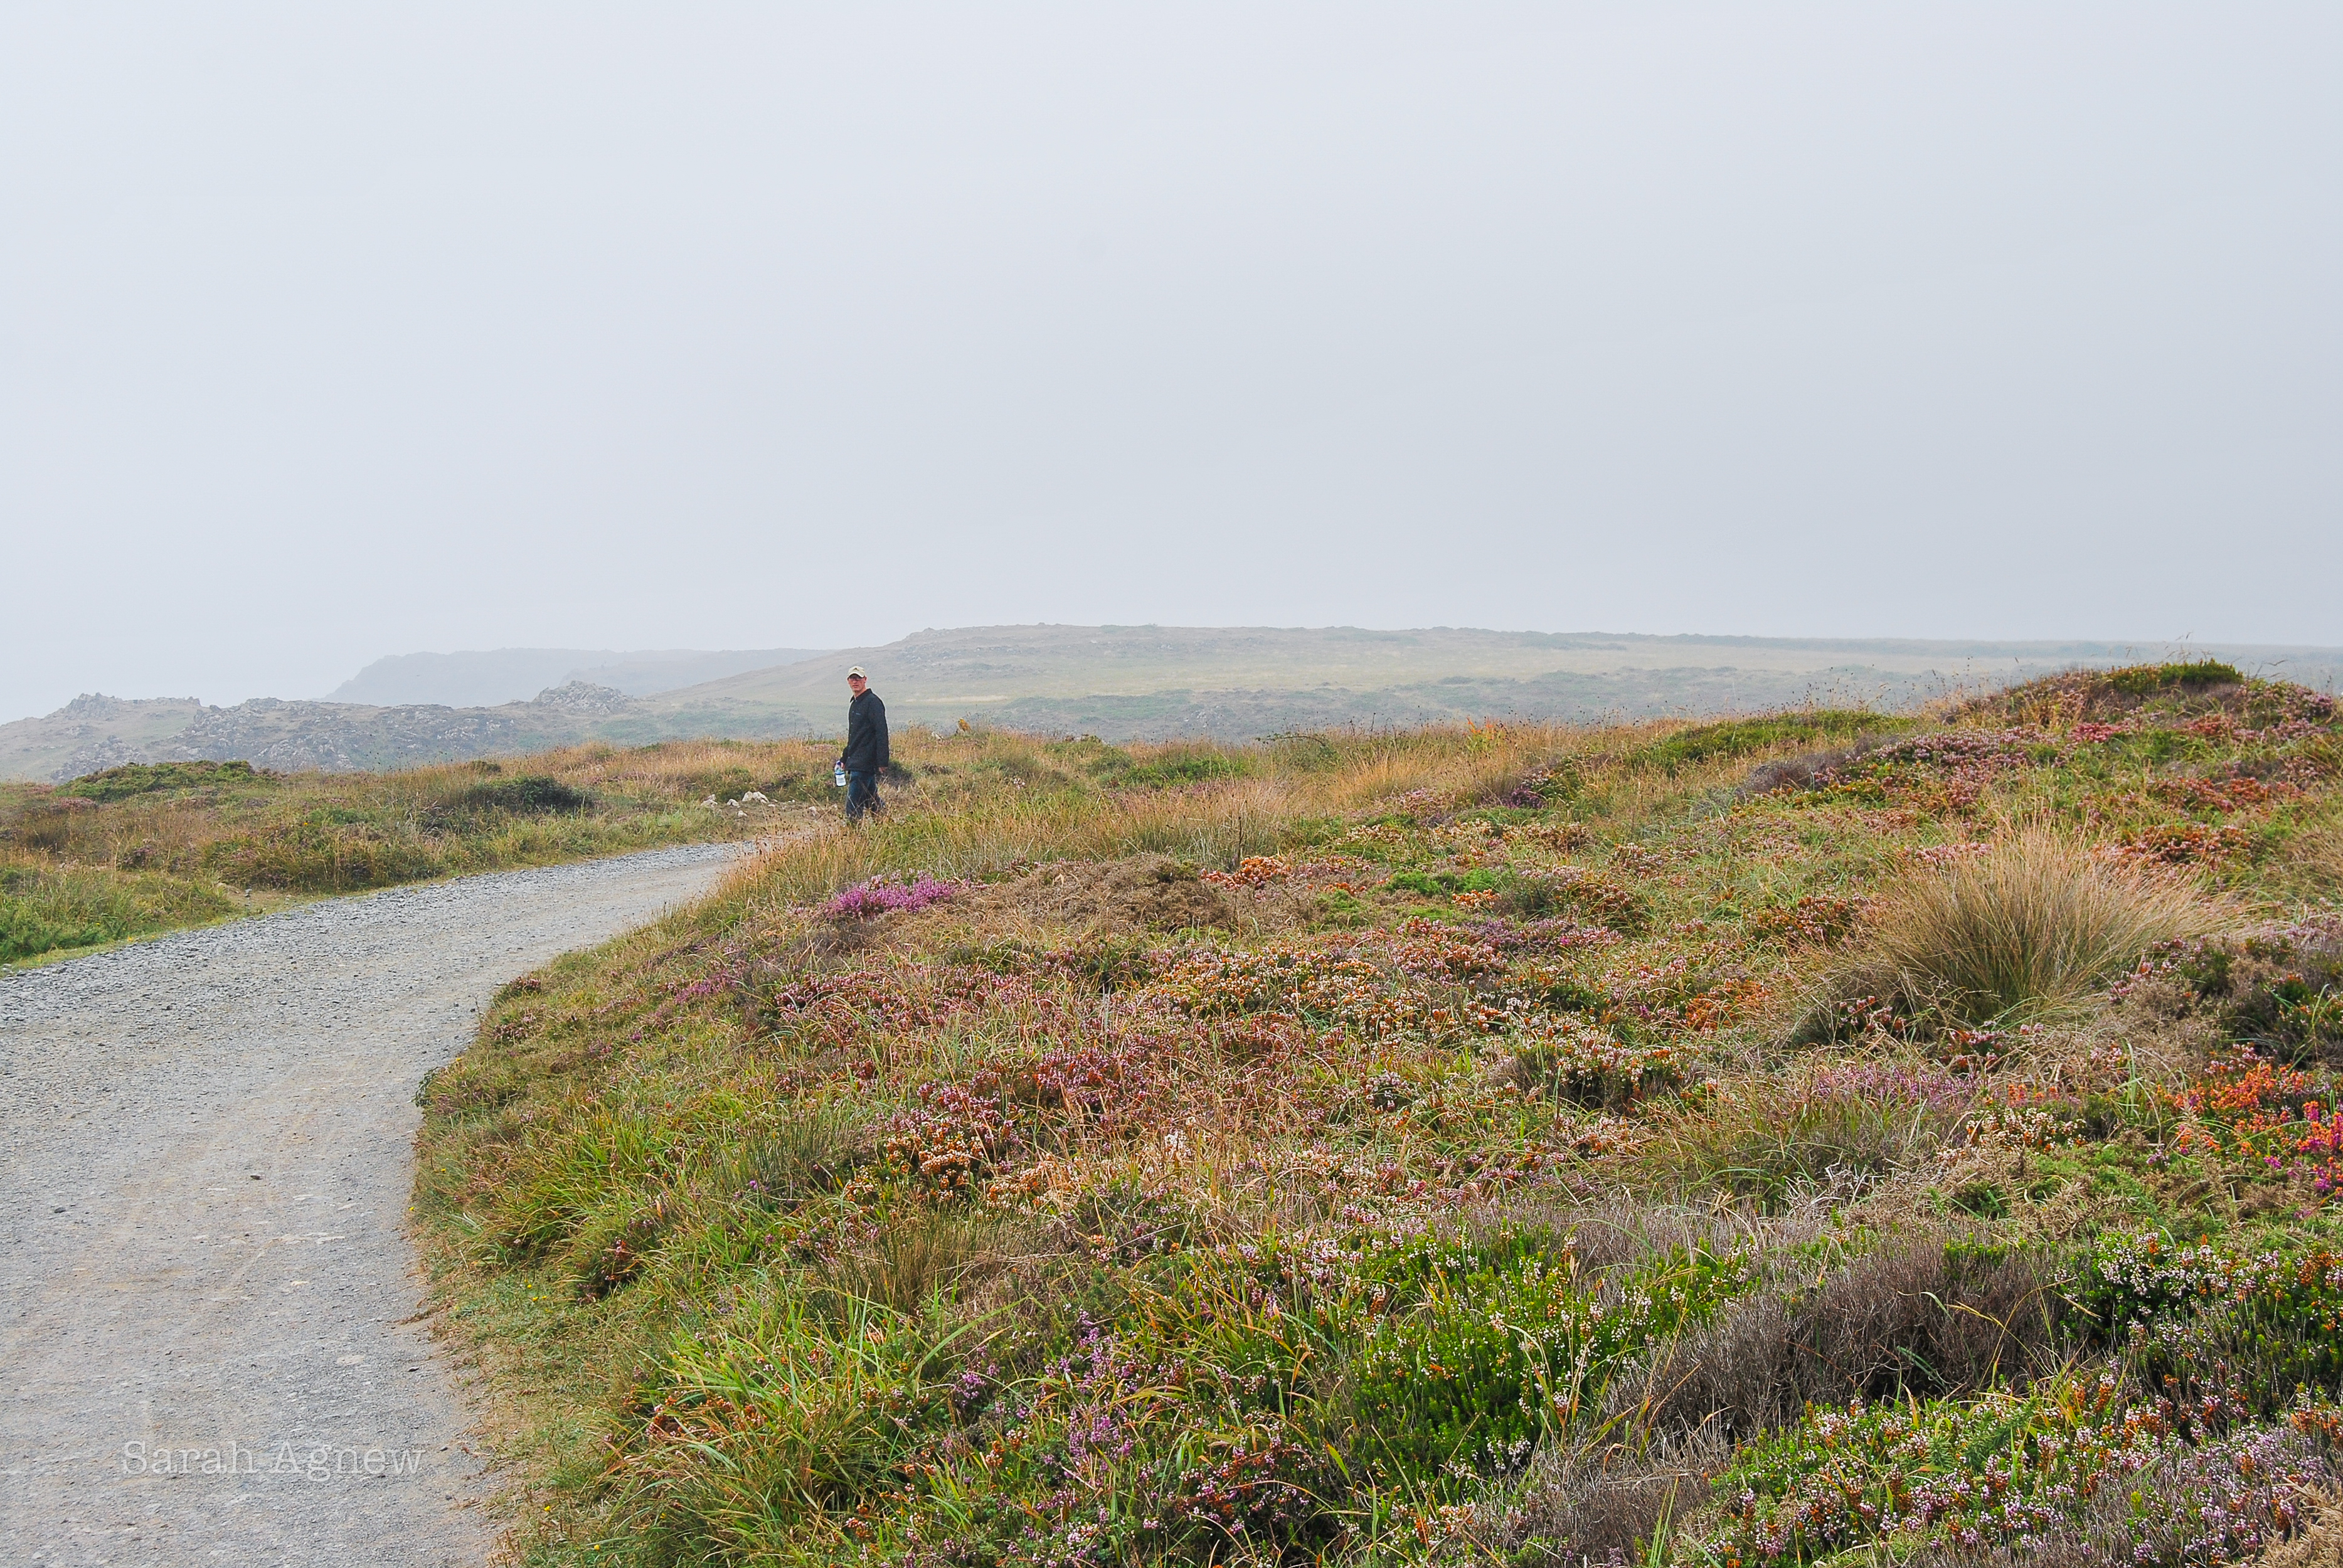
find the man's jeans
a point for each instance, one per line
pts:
(863, 795)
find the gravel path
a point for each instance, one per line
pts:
(208, 1351)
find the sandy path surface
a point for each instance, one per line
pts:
(208, 1351)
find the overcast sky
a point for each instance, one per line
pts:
(327, 332)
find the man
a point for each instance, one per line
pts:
(866, 746)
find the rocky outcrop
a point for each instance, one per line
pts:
(582, 697)
(336, 737)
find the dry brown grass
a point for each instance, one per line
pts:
(1918, 1315)
(2318, 855)
(1144, 893)
(946, 827)
(2320, 1544)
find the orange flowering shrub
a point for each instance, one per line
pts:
(2247, 1107)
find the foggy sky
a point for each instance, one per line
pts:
(329, 332)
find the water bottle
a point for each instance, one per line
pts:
(840, 769)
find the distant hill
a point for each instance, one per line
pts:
(1119, 682)
(513, 674)
(1151, 681)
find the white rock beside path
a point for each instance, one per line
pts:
(209, 1351)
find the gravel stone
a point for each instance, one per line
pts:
(209, 1147)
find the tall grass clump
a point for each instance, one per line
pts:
(2021, 933)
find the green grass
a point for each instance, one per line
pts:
(2144, 678)
(43, 910)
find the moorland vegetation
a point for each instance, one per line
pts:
(1827, 1138)
(147, 848)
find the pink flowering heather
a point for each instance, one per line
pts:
(881, 897)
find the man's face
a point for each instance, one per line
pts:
(857, 685)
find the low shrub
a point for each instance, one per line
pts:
(2228, 1500)
(2275, 1120)
(152, 778)
(1552, 785)
(1586, 1065)
(2011, 1472)
(1739, 736)
(1446, 884)
(527, 796)
(1602, 899)
(1807, 770)
(2246, 1330)
(2280, 989)
(1060, 1225)
(1579, 1506)
(1816, 919)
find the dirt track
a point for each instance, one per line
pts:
(208, 1142)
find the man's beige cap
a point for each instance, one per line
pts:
(855, 672)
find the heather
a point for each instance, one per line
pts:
(1818, 1138)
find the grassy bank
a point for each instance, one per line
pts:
(1778, 1141)
(145, 849)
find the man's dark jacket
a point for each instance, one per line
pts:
(866, 733)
